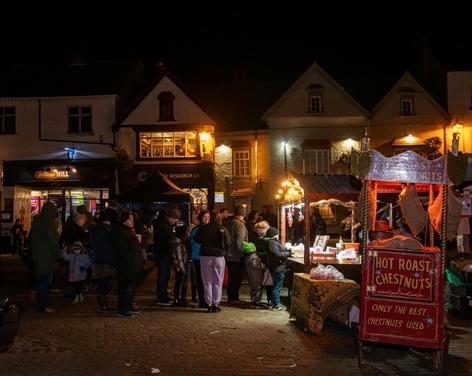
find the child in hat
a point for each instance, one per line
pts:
(79, 262)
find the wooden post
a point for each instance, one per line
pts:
(444, 208)
(431, 227)
(365, 215)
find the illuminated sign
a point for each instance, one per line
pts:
(219, 197)
(52, 174)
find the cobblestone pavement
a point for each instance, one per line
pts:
(188, 341)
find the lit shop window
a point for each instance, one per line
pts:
(168, 144)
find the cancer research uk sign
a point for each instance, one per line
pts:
(401, 300)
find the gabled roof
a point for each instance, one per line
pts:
(125, 108)
(408, 76)
(303, 79)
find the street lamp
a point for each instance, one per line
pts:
(457, 129)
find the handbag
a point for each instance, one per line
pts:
(225, 278)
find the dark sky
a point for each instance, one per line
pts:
(266, 44)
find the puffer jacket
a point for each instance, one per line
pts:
(129, 256)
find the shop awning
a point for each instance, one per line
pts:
(156, 188)
(324, 187)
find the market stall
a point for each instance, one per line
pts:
(403, 272)
(316, 213)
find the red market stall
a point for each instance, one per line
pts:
(402, 284)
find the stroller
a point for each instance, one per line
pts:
(10, 313)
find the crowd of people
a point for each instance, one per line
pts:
(113, 245)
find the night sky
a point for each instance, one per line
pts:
(266, 45)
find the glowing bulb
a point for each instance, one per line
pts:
(223, 148)
(349, 143)
(410, 138)
(277, 196)
(280, 191)
(204, 136)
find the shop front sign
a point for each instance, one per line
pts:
(52, 174)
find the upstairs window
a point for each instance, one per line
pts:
(406, 106)
(241, 164)
(7, 120)
(80, 119)
(315, 98)
(168, 144)
(166, 106)
(316, 104)
(316, 161)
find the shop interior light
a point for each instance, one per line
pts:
(410, 138)
(457, 127)
(349, 143)
(204, 136)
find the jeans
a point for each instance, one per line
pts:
(163, 268)
(235, 279)
(104, 286)
(180, 287)
(278, 278)
(43, 281)
(126, 288)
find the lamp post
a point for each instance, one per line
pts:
(456, 133)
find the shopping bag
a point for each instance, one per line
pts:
(225, 278)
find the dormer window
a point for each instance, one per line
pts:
(166, 106)
(315, 98)
(407, 106)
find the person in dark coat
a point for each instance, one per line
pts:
(101, 241)
(277, 265)
(46, 253)
(214, 240)
(164, 238)
(129, 262)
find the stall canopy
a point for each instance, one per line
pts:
(156, 188)
(325, 187)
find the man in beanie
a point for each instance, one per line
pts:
(235, 257)
(164, 238)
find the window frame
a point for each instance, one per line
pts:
(312, 104)
(406, 99)
(316, 151)
(80, 116)
(166, 106)
(236, 163)
(3, 117)
(140, 136)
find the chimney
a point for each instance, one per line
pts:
(425, 61)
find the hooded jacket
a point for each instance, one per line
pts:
(44, 242)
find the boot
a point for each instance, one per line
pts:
(76, 299)
(99, 304)
(81, 297)
(105, 307)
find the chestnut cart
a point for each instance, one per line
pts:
(402, 289)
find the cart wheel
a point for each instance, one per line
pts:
(438, 358)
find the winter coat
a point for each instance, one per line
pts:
(214, 240)
(180, 256)
(277, 256)
(164, 237)
(101, 242)
(194, 244)
(129, 256)
(44, 242)
(254, 269)
(72, 232)
(238, 234)
(78, 265)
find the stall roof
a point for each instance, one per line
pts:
(323, 187)
(156, 188)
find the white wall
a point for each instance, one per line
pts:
(459, 93)
(185, 110)
(25, 144)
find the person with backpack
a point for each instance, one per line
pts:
(214, 240)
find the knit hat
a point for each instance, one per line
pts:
(174, 213)
(272, 232)
(249, 247)
(124, 216)
(103, 217)
(240, 210)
